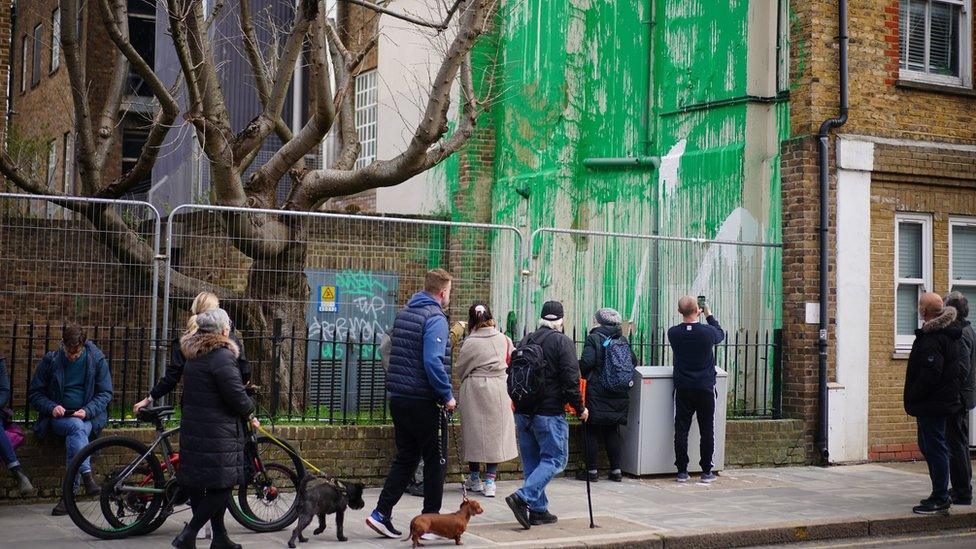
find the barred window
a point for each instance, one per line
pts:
(366, 117)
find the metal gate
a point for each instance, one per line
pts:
(57, 267)
(314, 293)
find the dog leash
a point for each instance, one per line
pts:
(288, 449)
(446, 419)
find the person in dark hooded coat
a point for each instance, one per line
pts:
(212, 426)
(608, 408)
(932, 394)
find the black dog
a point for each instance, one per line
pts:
(323, 495)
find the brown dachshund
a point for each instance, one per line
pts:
(449, 526)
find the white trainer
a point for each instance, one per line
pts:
(489, 490)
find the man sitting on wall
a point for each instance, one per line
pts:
(71, 390)
(932, 394)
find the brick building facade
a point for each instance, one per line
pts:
(43, 118)
(902, 177)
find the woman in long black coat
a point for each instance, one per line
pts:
(215, 409)
(608, 409)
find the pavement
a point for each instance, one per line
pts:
(743, 508)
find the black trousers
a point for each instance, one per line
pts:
(960, 466)
(688, 403)
(209, 505)
(610, 435)
(415, 430)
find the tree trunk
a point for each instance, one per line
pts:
(277, 288)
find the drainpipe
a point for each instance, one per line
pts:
(644, 160)
(823, 155)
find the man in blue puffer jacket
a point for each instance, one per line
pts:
(418, 381)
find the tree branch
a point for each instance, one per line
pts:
(169, 109)
(252, 136)
(258, 66)
(109, 118)
(177, 28)
(89, 170)
(318, 125)
(323, 184)
(399, 15)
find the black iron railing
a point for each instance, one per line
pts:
(340, 378)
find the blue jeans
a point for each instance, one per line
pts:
(75, 432)
(7, 451)
(932, 443)
(544, 447)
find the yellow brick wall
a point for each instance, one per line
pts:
(879, 106)
(888, 425)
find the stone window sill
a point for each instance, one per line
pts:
(899, 355)
(938, 88)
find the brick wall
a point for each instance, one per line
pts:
(364, 453)
(764, 443)
(6, 43)
(931, 175)
(937, 182)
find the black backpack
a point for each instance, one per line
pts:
(526, 373)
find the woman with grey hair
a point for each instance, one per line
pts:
(215, 406)
(608, 407)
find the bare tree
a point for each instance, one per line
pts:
(276, 287)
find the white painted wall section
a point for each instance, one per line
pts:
(848, 397)
(408, 59)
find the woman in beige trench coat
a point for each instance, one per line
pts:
(487, 424)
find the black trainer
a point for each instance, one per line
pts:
(932, 507)
(59, 510)
(583, 473)
(545, 517)
(520, 509)
(616, 477)
(962, 500)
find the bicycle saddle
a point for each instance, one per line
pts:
(154, 413)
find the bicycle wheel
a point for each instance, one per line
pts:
(267, 502)
(131, 483)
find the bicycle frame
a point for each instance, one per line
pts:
(161, 437)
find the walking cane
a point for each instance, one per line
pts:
(589, 498)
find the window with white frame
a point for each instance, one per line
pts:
(913, 273)
(24, 51)
(55, 39)
(962, 256)
(366, 117)
(935, 41)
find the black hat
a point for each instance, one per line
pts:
(552, 310)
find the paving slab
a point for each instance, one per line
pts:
(745, 507)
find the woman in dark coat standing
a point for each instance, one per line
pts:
(215, 408)
(608, 409)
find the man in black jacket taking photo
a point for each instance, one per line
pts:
(693, 344)
(932, 394)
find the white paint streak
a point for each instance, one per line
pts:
(669, 167)
(739, 225)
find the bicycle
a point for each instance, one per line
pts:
(139, 492)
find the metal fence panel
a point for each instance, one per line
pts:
(56, 267)
(643, 276)
(313, 299)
